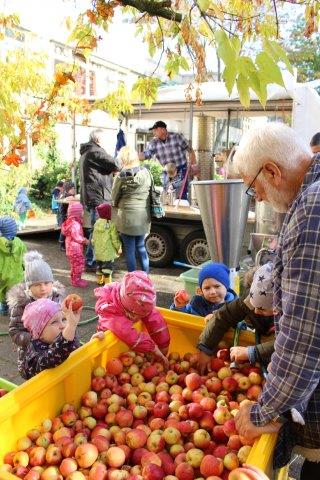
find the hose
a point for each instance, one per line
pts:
(83, 322)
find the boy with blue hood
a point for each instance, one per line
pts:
(212, 292)
(12, 250)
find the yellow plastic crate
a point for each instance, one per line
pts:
(43, 396)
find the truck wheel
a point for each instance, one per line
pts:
(160, 246)
(194, 248)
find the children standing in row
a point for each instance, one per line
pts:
(106, 243)
(75, 241)
(38, 283)
(12, 250)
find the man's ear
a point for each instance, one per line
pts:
(199, 291)
(273, 173)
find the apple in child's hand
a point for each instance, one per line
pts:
(75, 301)
(182, 297)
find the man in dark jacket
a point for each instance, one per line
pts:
(96, 168)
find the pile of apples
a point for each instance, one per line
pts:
(140, 422)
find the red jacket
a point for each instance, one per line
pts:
(73, 231)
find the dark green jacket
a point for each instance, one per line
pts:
(228, 317)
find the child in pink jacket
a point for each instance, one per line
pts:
(120, 305)
(75, 240)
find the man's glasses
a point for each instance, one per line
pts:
(251, 191)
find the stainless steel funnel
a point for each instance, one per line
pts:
(224, 209)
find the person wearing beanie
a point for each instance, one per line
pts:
(212, 292)
(255, 309)
(75, 241)
(21, 206)
(38, 283)
(120, 305)
(67, 196)
(56, 194)
(106, 243)
(12, 250)
(52, 328)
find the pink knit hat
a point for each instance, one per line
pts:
(75, 210)
(37, 314)
(137, 294)
(104, 211)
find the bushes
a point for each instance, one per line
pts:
(45, 179)
(12, 178)
(156, 170)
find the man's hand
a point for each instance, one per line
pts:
(86, 241)
(204, 363)
(246, 428)
(239, 354)
(157, 352)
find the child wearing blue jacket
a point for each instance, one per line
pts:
(212, 292)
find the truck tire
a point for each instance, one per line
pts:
(160, 245)
(194, 248)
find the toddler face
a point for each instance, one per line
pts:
(41, 289)
(53, 328)
(213, 291)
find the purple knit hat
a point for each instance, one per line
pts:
(75, 210)
(37, 314)
(104, 211)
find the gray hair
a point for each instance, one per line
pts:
(96, 135)
(274, 142)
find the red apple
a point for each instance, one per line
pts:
(115, 457)
(211, 465)
(114, 366)
(152, 472)
(86, 454)
(193, 381)
(75, 301)
(136, 438)
(184, 471)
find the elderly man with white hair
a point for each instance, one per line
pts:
(279, 168)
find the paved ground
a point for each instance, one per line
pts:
(165, 280)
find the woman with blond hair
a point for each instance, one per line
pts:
(131, 198)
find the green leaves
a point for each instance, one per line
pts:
(174, 63)
(145, 90)
(248, 73)
(268, 69)
(203, 4)
(116, 102)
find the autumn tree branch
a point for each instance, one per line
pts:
(160, 9)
